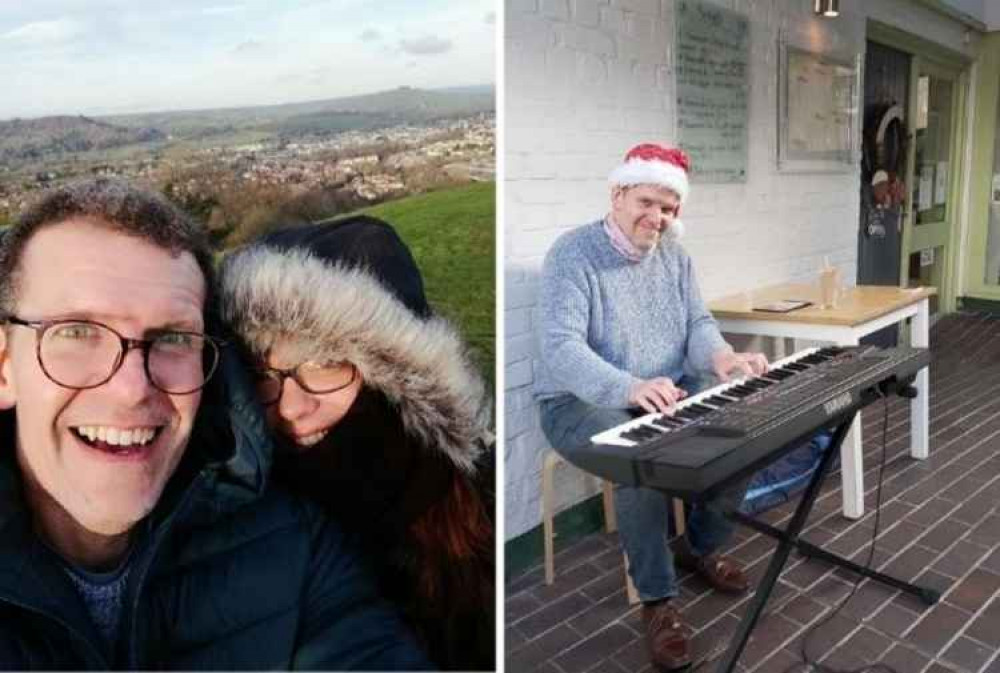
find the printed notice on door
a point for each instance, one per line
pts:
(712, 51)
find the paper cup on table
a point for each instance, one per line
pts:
(829, 287)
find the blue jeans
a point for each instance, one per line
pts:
(643, 513)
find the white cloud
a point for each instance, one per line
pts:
(223, 9)
(122, 56)
(46, 32)
(319, 76)
(428, 44)
(248, 46)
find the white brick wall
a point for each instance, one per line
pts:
(586, 80)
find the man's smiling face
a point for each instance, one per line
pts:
(84, 270)
(643, 212)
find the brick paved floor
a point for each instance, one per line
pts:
(939, 526)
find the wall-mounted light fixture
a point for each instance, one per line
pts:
(829, 8)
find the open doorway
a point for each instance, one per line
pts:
(883, 171)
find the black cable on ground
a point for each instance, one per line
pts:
(806, 660)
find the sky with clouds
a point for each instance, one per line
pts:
(112, 56)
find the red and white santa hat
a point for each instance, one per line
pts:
(652, 164)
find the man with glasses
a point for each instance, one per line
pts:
(137, 529)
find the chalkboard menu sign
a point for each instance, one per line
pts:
(712, 49)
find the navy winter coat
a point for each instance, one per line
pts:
(228, 572)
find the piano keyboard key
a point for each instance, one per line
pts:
(689, 410)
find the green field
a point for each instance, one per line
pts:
(451, 233)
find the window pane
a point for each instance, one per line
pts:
(992, 275)
(933, 149)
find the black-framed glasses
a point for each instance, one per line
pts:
(83, 354)
(312, 378)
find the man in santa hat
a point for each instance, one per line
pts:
(623, 328)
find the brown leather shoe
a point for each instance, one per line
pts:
(667, 637)
(722, 572)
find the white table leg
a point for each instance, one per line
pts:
(920, 406)
(780, 348)
(852, 464)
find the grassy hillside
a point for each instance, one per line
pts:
(451, 234)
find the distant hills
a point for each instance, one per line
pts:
(33, 140)
(400, 105)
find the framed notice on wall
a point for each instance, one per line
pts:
(712, 52)
(818, 98)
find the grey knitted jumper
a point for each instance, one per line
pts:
(607, 322)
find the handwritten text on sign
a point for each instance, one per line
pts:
(712, 53)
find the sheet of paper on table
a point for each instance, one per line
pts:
(782, 305)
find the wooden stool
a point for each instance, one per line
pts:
(549, 464)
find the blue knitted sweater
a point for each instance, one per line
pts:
(607, 322)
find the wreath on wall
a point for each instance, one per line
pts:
(883, 160)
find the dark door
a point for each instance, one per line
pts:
(883, 169)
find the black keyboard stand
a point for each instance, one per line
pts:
(789, 538)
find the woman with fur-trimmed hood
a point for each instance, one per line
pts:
(380, 416)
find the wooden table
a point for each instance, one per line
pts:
(860, 311)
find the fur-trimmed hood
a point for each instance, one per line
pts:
(339, 312)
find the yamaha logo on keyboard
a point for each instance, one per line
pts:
(837, 404)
